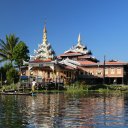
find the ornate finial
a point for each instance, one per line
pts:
(45, 21)
(44, 34)
(79, 39)
(45, 31)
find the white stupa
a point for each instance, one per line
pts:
(44, 51)
(79, 47)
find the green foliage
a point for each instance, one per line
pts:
(2, 74)
(7, 46)
(118, 87)
(77, 87)
(20, 53)
(97, 87)
(10, 87)
(12, 76)
(12, 50)
(7, 66)
(3, 71)
(80, 86)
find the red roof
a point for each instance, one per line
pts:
(39, 61)
(115, 63)
(107, 63)
(87, 62)
(84, 56)
(71, 54)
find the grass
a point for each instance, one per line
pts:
(9, 87)
(83, 87)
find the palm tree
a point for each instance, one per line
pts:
(6, 48)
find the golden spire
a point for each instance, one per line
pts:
(45, 31)
(44, 34)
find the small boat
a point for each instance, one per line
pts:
(15, 93)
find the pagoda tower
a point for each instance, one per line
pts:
(44, 51)
(79, 47)
(79, 52)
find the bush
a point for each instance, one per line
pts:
(10, 87)
(97, 87)
(78, 85)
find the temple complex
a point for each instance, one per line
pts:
(74, 64)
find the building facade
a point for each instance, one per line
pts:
(74, 64)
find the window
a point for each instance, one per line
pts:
(85, 73)
(48, 75)
(81, 73)
(118, 70)
(91, 72)
(106, 71)
(99, 72)
(112, 70)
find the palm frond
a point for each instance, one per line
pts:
(3, 59)
(3, 45)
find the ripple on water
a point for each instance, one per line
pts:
(60, 110)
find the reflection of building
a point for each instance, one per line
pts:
(61, 110)
(77, 63)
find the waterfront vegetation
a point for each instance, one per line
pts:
(81, 86)
(13, 52)
(77, 87)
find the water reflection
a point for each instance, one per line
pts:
(60, 110)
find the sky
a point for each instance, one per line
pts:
(103, 24)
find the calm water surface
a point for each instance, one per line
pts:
(60, 110)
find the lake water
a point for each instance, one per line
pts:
(60, 110)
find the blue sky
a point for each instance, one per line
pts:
(103, 24)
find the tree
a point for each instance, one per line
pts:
(3, 71)
(20, 53)
(6, 47)
(2, 75)
(6, 68)
(12, 75)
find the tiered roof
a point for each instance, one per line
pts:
(77, 56)
(79, 48)
(79, 51)
(44, 51)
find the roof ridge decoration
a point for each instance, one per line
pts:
(79, 40)
(69, 62)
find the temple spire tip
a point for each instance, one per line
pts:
(45, 30)
(79, 39)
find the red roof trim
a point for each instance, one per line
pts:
(39, 61)
(68, 67)
(71, 54)
(86, 62)
(115, 63)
